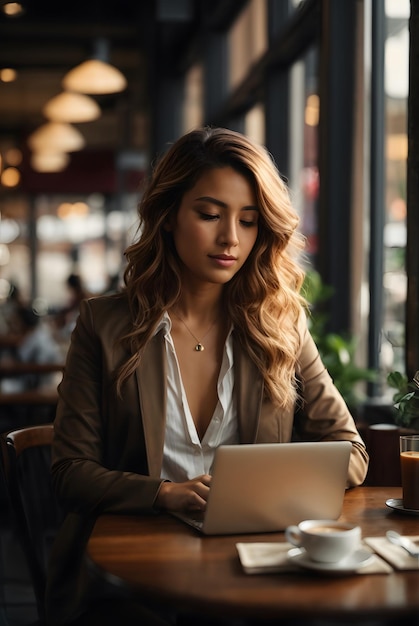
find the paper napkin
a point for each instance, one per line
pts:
(266, 558)
(262, 558)
(397, 556)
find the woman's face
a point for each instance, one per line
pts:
(216, 226)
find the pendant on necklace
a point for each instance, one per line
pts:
(199, 347)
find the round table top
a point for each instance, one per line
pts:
(163, 559)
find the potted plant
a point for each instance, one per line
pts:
(405, 398)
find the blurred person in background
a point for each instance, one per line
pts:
(8, 308)
(36, 345)
(65, 318)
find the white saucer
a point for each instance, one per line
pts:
(397, 505)
(350, 564)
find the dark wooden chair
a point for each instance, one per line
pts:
(35, 514)
(37, 517)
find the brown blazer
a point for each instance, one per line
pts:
(107, 451)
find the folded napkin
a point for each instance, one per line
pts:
(265, 558)
(262, 558)
(397, 556)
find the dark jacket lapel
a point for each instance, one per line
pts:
(151, 379)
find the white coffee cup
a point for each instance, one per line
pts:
(326, 541)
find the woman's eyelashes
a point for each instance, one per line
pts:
(209, 217)
(249, 223)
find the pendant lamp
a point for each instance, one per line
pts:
(12, 9)
(56, 137)
(49, 161)
(71, 107)
(96, 75)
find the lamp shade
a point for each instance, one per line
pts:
(94, 77)
(49, 161)
(56, 137)
(71, 107)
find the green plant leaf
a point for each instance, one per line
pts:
(396, 380)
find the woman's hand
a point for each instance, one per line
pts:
(188, 496)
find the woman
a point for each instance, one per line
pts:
(207, 345)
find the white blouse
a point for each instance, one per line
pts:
(184, 455)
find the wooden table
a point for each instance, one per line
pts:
(30, 397)
(10, 340)
(45, 396)
(11, 369)
(160, 558)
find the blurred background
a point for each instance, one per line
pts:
(324, 85)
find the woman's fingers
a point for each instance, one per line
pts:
(190, 495)
(200, 488)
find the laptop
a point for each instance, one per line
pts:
(259, 488)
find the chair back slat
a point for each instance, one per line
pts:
(29, 437)
(33, 505)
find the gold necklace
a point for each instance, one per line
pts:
(199, 346)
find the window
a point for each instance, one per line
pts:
(396, 92)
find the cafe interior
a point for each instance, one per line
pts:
(91, 93)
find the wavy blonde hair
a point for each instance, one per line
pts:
(263, 299)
